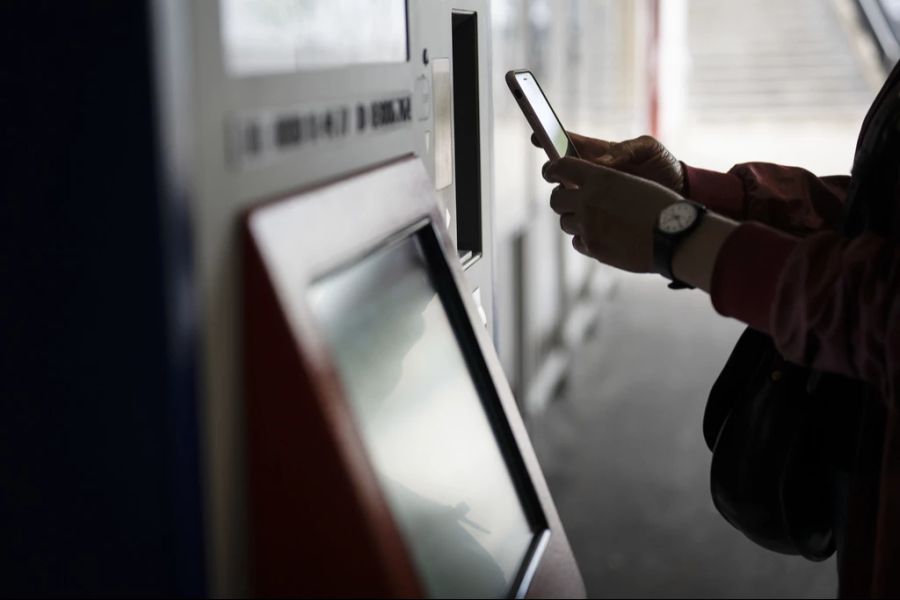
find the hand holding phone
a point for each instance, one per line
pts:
(540, 115)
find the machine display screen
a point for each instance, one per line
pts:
(276, 36)
(424, 422)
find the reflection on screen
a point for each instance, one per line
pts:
(423, 423)
(544, 113)
(274, 36)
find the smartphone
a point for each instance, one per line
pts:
(541, 116)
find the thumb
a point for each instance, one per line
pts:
(628, 153)
(568, 170)
(589, 147)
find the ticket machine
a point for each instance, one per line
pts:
(297, 393)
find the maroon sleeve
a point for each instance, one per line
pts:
(746, 273)
(790, 199)
(829, 303)
(837, 308)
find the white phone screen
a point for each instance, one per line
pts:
(542, 109)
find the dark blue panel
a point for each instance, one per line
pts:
(99, 474)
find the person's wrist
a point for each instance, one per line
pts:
(695, 258)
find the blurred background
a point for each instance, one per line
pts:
(613, 369)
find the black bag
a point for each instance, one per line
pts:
(778, 437)
(783, 437)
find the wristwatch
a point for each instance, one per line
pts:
(676, 222)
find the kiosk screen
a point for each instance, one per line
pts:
(424, 423)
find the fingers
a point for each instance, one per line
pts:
(617, 155)
(568, 171)
(570, 224)
(563, 201)
(579, 245)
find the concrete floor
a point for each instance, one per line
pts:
(624, 455)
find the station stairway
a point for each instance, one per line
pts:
(775, 60)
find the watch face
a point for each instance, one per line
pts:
(677, 217)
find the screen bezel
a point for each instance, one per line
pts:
(439, 274)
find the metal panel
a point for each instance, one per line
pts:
(238, 158)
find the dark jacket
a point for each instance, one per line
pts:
(831, 303)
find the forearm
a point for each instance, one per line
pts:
(695, 258)
(828, 302)
(789, 199)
